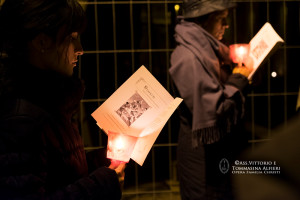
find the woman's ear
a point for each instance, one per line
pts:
(41, 42)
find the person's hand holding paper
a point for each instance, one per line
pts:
(246, 69)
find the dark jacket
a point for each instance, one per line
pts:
(41, 151)
(210, 114)
(212, 96)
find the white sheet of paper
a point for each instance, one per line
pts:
(262, 44)
(141, 91)
(149, 135)
(140, 107)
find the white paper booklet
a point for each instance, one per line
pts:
(262, 45)
(140, 107)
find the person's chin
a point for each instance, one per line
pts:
(70, 71)
(218, 36)
(221, 36)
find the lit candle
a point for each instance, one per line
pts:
(239, 53)
(120, 146)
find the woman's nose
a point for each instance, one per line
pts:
(225, 23)
(78, 49)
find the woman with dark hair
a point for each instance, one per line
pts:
(41, 151)
(213, 100)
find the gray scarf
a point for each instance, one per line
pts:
(196, 72)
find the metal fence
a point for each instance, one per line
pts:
(123, 35)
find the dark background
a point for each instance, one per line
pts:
(123, 35)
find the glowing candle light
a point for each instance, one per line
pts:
(120, 146)
(119, 143)
(239, 53)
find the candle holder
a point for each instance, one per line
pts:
(120, 146)
(239, 53)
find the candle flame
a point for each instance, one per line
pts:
(241, 51)
(119, 144)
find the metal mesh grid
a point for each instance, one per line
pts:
(123, 35)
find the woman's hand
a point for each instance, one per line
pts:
(119, 168)
(246, 69)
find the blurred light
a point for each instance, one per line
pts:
(2, 2)
(239, 52)
(120, 146)
(176, 7)
(273, 74)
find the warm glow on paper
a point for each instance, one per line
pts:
(120, 146)
(138, 109)
(239, 53)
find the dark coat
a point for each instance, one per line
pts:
(211, 94)
(209, 115)
(41, 151)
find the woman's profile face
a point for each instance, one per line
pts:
(217, 24)
(63, 56)
(70, 50)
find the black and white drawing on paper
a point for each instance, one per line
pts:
(132, 109)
